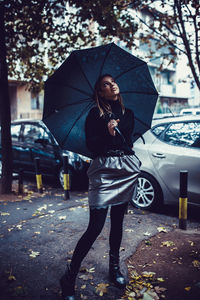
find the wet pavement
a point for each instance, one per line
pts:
(39, 232)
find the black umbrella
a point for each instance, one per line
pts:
(69, 92)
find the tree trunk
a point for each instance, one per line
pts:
(5, 117)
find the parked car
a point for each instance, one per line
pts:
(30, 139)
(171, 145)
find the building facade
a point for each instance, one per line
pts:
(24, 104)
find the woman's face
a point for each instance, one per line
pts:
(109, 88)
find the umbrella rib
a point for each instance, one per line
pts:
(132, 68)
(70, 104)
(84, 73)
(107, 53)
(85, 109)
(73, 88)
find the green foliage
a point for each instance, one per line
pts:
(36, 30)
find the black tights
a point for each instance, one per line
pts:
(95, 226)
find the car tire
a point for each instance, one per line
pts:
(61, 178)
(149, 194)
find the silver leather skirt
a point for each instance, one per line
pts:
(112, 180)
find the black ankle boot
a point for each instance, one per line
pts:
(115, 275)
(67, 283)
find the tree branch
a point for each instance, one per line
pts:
(161, 35)
(196, 42)
(186, 43)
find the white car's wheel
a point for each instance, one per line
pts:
(61, 178)
(148, 193)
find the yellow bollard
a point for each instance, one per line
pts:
(66, 176)
(38, 175)
(183, 200)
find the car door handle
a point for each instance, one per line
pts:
(159, 155)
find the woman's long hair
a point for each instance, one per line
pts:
(103, 104)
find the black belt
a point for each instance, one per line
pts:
(114, 153)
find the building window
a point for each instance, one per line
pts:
(35, 101)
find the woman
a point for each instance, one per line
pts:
(112, 178)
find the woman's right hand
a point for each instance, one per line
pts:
(111, 126)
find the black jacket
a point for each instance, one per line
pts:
(98, 139)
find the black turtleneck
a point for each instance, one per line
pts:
(98, 138)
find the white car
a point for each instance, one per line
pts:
(171, 145)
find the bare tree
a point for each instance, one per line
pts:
(173, 24)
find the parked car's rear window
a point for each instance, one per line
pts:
(15, 131)
(33, 132)
(184, 134)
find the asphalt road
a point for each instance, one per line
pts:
(39, 232)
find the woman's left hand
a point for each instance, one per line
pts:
(111, 126)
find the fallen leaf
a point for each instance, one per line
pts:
(160, 279)
(83, 286)
(91, 270)
(84, 297)
(11, 278)
(132, 295)
(86, 277)
(191, 243)
(168, 243)
(162, 229)
(10, 229)
(129, 230)
(19, 227)
(148, 274)
(72, 208)
(150, 295)
(34, 254)
(148, 243)
(101, 288)
(62, 217)
(196, 263)
(159, 289)
(4, 214)
(147, 233)
(42, 207)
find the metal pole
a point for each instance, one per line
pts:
(66, 177)
(20, 182)
(183, 200)
(38, 175)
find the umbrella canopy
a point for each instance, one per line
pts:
(69, 92)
